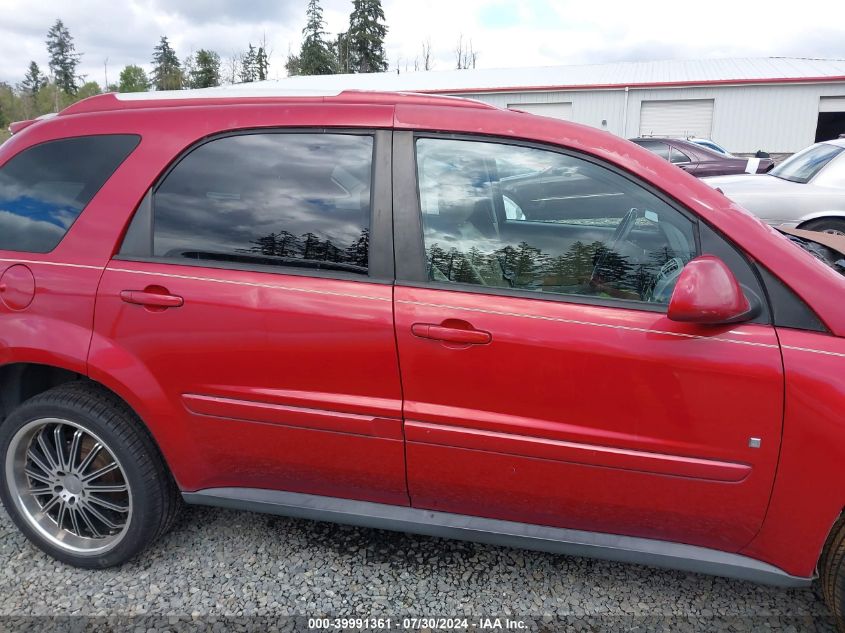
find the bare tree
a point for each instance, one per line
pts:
(465, 55)
(231, 68)
(426, 54)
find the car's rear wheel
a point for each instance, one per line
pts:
(81, 477)
(835, 226)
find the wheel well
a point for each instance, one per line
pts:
(807, 223)
(21, 381)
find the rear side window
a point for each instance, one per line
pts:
(44, 188)
(278, 199)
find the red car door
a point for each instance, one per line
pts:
(543, 381)
(245, 313)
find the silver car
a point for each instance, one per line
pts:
(807, 190)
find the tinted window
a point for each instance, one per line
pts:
(678, 156)
(656, 147)
(269, 199)
(516, 217)
(44, 188)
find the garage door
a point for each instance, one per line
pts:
(554, 110)
(832, 104)
(678, 119)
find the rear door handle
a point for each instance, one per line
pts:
(451, 334)
(152, 299)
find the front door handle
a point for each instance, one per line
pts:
(451, 334)
(151, 299)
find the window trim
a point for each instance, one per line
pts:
(411, 268)
(141, 228)
(138, 138)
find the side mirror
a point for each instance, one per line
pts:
(708, 293)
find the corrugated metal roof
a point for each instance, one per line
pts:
(674, 72)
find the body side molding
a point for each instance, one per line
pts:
(497, 532)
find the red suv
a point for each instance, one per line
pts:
(415, 313)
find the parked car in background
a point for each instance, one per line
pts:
(208, 297)
(700, 161)
(706, 142)
(806, 190)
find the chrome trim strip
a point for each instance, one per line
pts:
(62, 264)
(580, 453)
(250, 284)
(813, 351)
(625, 549)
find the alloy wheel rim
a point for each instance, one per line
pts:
(69, 486)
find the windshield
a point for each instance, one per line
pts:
(821, 252)
(807, 163)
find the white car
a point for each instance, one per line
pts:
(807, 190)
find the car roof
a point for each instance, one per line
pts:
(839, 142)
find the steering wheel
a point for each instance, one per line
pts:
(623, 230)
(664, 282)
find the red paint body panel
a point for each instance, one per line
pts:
(225, 358)
(606, 419)
(628, 382)
(809, 491)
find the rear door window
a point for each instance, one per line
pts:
(269, 199)
(45, 188)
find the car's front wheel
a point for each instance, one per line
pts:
(81, 477)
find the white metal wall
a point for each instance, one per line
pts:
(778, 118)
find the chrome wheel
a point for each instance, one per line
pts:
(69, 486)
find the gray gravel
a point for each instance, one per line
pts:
(225, 563)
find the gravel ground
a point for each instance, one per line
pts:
(225, 563)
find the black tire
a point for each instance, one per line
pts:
(152, 493)
(832, 573)
(827, 225)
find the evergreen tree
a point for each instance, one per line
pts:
(249, 71)
(366, 37)
(63, 58)
(315, 57)
(167, 72)
(133, 79)
(341, 52)
(206, 69)
(292, 65)
(262, 63)
(33, 81)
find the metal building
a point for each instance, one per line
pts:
(776, 104)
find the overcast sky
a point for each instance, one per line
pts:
(503, 32)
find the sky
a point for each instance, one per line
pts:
(504, 33)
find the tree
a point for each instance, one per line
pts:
(262, 62)
(167, 72)
(341, 52)
(206, 70)
(249, 71)
(465, 55)
(33, 81)
(292, 65)
(424, 61)
(88, 89)
(133, 79)
(315, 57)
(63, 58)
(366, 37)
